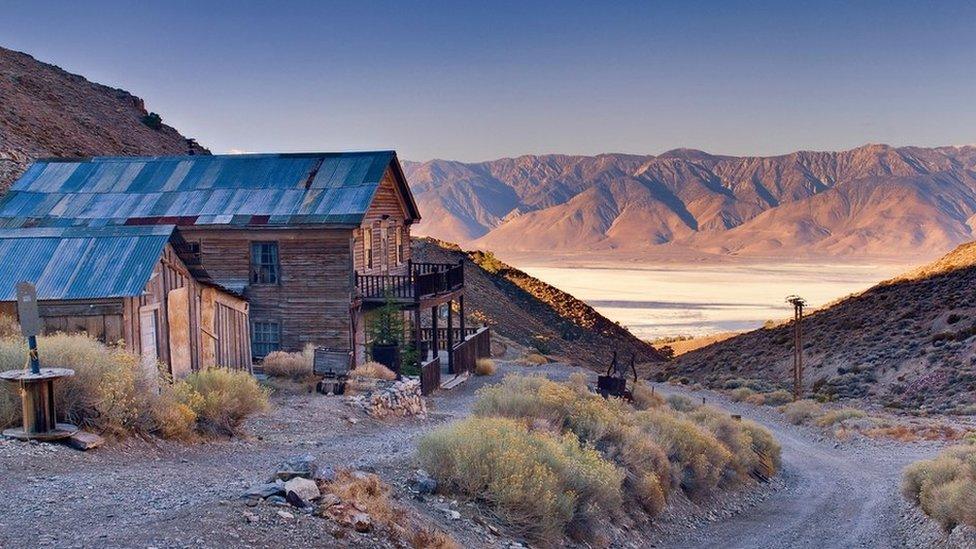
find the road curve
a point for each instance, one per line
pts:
(843, 496)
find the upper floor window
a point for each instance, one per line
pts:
(368, 247)
(265, 267)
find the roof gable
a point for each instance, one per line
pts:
(275, 189)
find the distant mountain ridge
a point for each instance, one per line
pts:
(48, 112)
(874, 200)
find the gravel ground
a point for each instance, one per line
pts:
(158, 494)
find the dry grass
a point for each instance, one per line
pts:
(945, 487)
(484, 367)
(655, 450)
(373, 370)
(778, 397)
(534, 359)
(9, 327)
(294, 366)
(367, 493)
(802, 411)
(645, 398)
(834, 417)
(740, 394)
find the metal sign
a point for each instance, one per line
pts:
(30, 319)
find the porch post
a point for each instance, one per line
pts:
(434, 340)
(450, 338)
(416, 331)
(461, 316)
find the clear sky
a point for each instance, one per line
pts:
(481, 80)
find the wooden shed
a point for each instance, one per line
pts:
(139, 285)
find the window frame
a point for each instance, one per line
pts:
(258, 266)
(398, 242)
(269, 340)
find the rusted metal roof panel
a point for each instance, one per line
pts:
(317, 188)
(80, 262)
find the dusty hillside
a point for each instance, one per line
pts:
(45, 112)
(906, 343)
(534, 313)
(849, 203)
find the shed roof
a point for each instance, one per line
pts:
(80, 263)
(253, 189)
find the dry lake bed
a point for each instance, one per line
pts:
(669, 300)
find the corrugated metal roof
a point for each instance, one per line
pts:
(80, 262)
(314, 188)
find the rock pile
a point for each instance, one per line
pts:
(392, 399)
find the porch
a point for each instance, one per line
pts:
(422, 285)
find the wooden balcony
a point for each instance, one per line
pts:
(423, 284)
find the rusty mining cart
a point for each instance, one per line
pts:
(333, 366)
(614, 383)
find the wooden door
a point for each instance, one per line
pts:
(148, 336)
(178, 307)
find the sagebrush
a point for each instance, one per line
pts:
(945, 487)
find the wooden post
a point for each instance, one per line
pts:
(416, 332)
(434, 339)
(798, 303)
(461, 317)
(450, 338)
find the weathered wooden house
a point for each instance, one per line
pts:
(311, 241)
(135, 285)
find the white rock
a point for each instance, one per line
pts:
(303, 487)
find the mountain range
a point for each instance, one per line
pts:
(874, 200)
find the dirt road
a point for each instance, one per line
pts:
(835, 495)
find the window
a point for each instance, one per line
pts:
(368, 247)
(265, 338)
(264, 263)
(399, 244)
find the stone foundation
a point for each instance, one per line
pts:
(392, 399)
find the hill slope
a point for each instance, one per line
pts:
(47, 112)
(907, 342)
(856, 202)
(534, 313)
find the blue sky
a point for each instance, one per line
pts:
(476, 81)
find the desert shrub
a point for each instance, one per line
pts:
(153, 121)
(373, 370)
(801, 411)
(295, 366)
(538, 482)
(834, 417)
(222, 399)
(767, 449)
(645, 397)
(484, 367)
(9, 327)
(740, 394)
(173, 412)
(756, 399)
(777, 397)
(534, 359)
(681, 403)
(945, 487)
(699, 460)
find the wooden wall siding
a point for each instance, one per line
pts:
(179, 319)
(311, 302)
(225, 331)
(100, 318)
(387, 201)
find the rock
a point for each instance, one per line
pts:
(250, 517)
(302, 487)
(264, 490)
(324, 474)
(296, 466)
(285, 515)
(422, 483)
(328, 500)
(277, 500)
(84, 441)
(452, 514)
(362, 523)
(296, 500)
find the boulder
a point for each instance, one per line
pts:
(296, 466)
(302, 487)
(265, 490)
(296, 500)
(324, 474)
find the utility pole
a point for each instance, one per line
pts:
(798, 304)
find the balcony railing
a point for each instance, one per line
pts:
(422, 280)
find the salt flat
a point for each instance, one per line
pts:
(657, 301)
